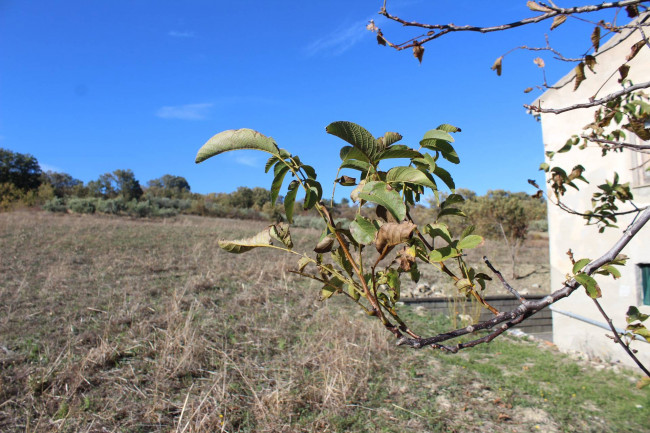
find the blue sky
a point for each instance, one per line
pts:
(91, 86)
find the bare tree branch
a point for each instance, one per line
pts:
(589, 104)
(449, 28)
(617, 144)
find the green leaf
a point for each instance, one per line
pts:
(452, 199)
(393, 281)
(327, 292)
(468, 242)
(272, 160)
(592, 287)
(353, 292)
(236, 139)
(349, 152)
(609, 270)
(437, 134)
(414, 273)
(313, 194)
(290, 200)
(438, 229)
(468, 231)
(311, 173)
(410, 175)
(639, 329)
(262, 239)
(335, 285)
(633, 314)
(448, 128)
(339, 257)
(362, 166)
(302, 263)
(451, 211)
(357, 136)
(362, 230)
(381, 193)
(399, 151)
(442, 254)
(389, 138)
(447, 150)
(445, 176)
(280, 172)
(577, 267)
(544, 166)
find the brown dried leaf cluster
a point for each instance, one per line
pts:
(391, 234)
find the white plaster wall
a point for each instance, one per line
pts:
(569, 231)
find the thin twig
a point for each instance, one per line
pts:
(503, 280)
(617, 338)
(617, 144)
(590, 104)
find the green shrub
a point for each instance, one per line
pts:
(82, 205)
(165, 212)
(111, 206)
(55, 205)
(141, 209)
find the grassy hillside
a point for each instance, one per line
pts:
(111, 324)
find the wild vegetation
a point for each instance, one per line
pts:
(116, 324)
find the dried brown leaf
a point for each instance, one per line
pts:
(623, 71)
(576, 172)
(497, 65)
(533, 183)
(528, 89)
(371, 26)
(558, 21)
(635, 50)
(638, 126)
(538, 194)
(380, 38)
(632, 11)
(580, 75)
(406, 258)
(539, 62)
(590, 61)
(325, 245)
(595, 39)
(418, 51)
(346, 181)
(391, 234)
(534, 6)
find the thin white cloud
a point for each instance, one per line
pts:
(48, 167)
(185, 112)
(249, 161)
(177, 34)
(340, 40)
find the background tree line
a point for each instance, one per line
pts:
(497, 214)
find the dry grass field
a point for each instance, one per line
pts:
(119, 325)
